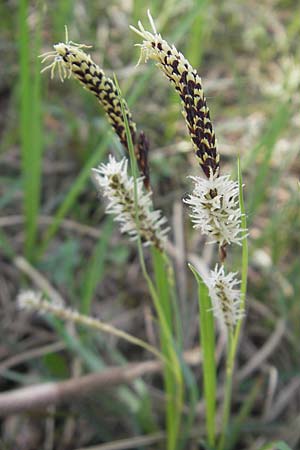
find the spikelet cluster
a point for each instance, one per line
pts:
(70, 59)
(225, 297)
(35, 301)
(215, 209)
(117, 186)
(188, 84)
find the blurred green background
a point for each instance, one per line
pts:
(52, 133)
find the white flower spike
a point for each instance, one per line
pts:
(35, 301)
(225, 297)
(215, 209)
(118, 187)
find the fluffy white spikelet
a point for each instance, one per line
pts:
(225, 297)
(34, 301)
(188, 85)
(118, 187)
(59, 58)
(215, 209)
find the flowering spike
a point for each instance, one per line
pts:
(188, 84)
(115, 184)
(225, 297)
(215, 209)
(142, 150)
(70, 59)
(33, 300)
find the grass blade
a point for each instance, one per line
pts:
(30, 127)
(95, 268)
(161, 299)
(266, 147)
(75, 190)
(207, 343)
(245, 258)
(278, 445)
(173, 391)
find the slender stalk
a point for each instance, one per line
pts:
(29, 301)
(244, 258)
(228, 391)
(233, 338)
(95, 268)
(71, 196)
(172, 370)
(207, 344)
(174, 389)
(30, 127)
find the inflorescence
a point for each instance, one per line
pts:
(225, 297)
(71, 60)
(214, 201)
(215, 209)
(189, 86)
(136, 220)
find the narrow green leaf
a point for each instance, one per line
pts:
(207, 343)
(95, 267)
(172, 370)
(164, 290)
(30, 125)
(75, 190)
(244, 413)
(266, 147)
(277, 445)
(245, 257)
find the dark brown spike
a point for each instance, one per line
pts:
(142, 151)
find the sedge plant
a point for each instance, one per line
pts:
(217, 210)
(129, 201)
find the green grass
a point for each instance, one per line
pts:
(222, 45)
(95, 270)
(207, 345)
(30, 124)
(161, 295)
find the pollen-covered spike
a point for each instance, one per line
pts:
(226, 297)
(215, 209)
(141, 151)
(137, 220)
(69, 58)
(188, 84)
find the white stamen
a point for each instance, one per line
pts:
(118, 187)
(215, 209)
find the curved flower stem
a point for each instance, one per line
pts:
(233, 337)
(173, 383)
(207, 344)
(244, 258)
(30, 301)
(173, 373)
(228, 390)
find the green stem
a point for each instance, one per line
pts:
(207, 344)
(173, 386)
(228, 390)
(172, 364)
(233, 338)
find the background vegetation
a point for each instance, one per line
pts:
(52, 134)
